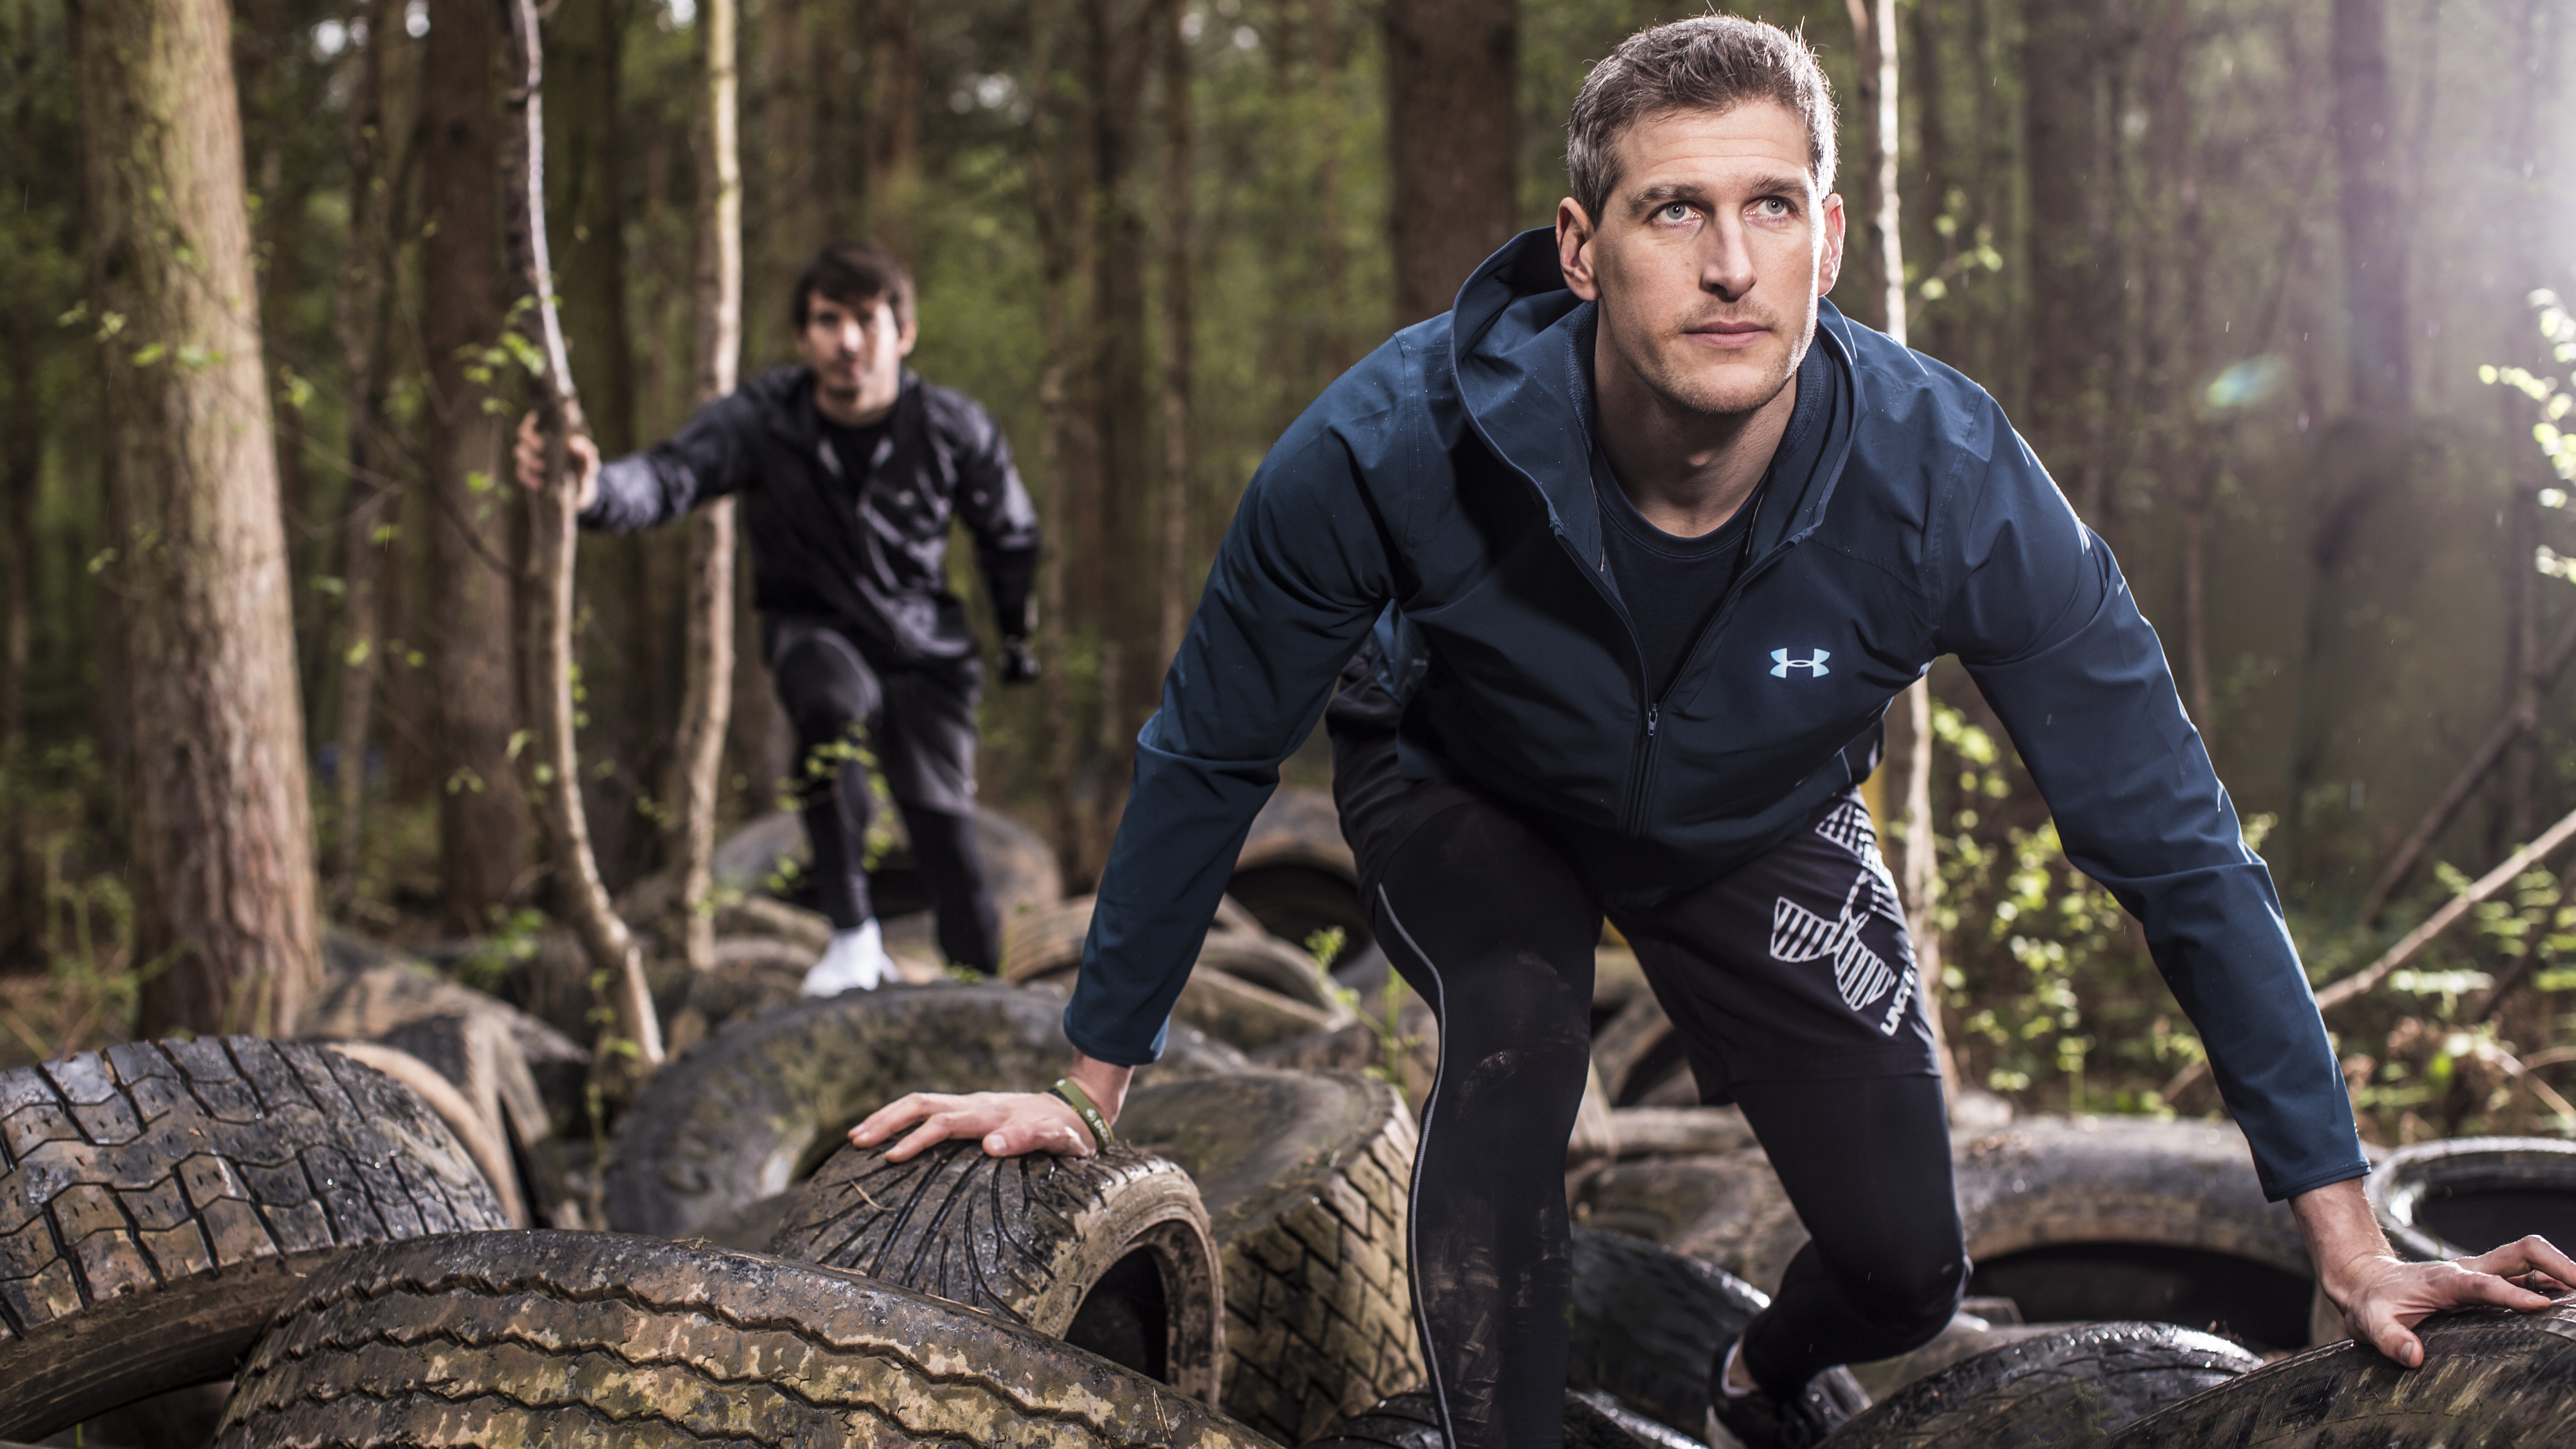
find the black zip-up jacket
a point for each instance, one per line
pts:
(879, 568)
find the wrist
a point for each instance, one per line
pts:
(1105, 1083)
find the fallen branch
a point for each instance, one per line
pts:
(546, 602)
(2360, 982)
(2523, 718)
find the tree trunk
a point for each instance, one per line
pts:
(791, 213)
(1064, 456)
(482, 822)
(1118, 597)
(1328, 186)
(2376, 335)
(360, 315)
(1453, 81)
(2074, 295)
(1165, 26)
(222, 841)
(546, 659)
(25, 336)
(894, 122)
(2528, 472)
(707, 690)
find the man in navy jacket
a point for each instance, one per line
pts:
(1646, 537)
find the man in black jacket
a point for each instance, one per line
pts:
(850, 470)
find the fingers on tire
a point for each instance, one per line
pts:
(159, 1200)
(2066, 1387)
(1109, 1252)
(600, 1339)
(1305, 1177)
(2490, 1376)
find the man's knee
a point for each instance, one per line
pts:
(825, 689)
(1913, 1293)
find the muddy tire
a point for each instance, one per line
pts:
(2489, 1377)
(1727, 1210)
(754, 1109)
(1305, 1179)
(1046, 945)
(2464, 1196)
(160, 1200)
(2127, 1218)
(1109, 1253)
(2056, 1391)
(1648, 1322)
(1409, 1421)
(577, 1340)
(483, 1139)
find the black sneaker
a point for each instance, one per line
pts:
(1759, 1421)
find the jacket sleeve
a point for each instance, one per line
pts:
(996, 509)
(1302, 574)
(2038, 611)
(711, 457)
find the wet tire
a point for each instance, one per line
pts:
(483, 1139)
(1305, 1179)
(576, 1340)
(160, 1200)
(2465, 1196)
(1649, 1322)
(2056, 1391)
(2127, 1218)
(2489, 1377)
(754, 1109)
(1409, 1421)
(1109, 1253)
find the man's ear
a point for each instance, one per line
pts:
(1829, 268)
(1574, 249)
(904, 339)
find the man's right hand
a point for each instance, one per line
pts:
(532, 461)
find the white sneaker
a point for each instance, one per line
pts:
(855, 961)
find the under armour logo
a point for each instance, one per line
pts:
(1781, 664)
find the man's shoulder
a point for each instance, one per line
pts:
(1917, 415)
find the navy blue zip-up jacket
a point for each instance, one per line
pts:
(1444, 484)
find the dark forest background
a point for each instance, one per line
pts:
(2268, 284)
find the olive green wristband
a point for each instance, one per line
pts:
(1080, 1101)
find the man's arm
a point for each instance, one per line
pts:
(708, 459)
(2047, 627)
(995, 507)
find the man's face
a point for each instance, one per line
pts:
(1710, 255)
(856, 351)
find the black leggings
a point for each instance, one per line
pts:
(1495, 929)
(919, 727)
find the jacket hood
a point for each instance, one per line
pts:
(1515, 338)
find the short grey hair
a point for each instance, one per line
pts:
(1707, 63)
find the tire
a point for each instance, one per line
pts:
(1305, 1179)
(1642, 1058)
(754, 1109)
(1409, 1421)
(1109, 1253)
(1046, 944)
(383, 1000)
(2490, 1376)
(1726, 1209)
(1296, 873)
(158, 1201)
(1649, 1322)
(576, 1340)
(483, 1139)
(2057, 1391)
(2132, 1219)
(2462, 1197)
(1020, 868)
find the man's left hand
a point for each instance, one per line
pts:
(1019, 666)
(2383, 1297)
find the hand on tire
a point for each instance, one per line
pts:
(2394, 1296)
(1012, 1124)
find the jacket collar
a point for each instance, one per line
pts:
(797, 421)
(1513, 339)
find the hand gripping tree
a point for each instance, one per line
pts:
(545, 585)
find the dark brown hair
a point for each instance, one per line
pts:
(1708, 63)
(855, 274)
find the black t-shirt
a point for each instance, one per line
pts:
(1673, 585)
(856, 448)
